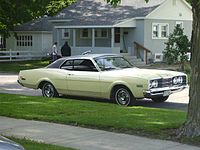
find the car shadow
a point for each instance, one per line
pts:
(80, 98)
(141, 102)
(166, 104)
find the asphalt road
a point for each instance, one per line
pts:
(8, 84)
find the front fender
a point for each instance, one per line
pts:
(137, 86)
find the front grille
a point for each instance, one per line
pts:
(168, 82)
(165, 82)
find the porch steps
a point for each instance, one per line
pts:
(134, 60)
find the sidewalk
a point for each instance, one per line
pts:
(82, 138)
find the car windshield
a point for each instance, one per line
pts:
(112, 63)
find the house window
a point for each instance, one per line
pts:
(104, 33)
(101, 33)
(65, 33)
(117, 35)
(179, 24)
(155, 30)
(24, 40)
(84, 33)
(163, 31)
(160, 30)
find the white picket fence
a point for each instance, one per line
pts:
(9, 55)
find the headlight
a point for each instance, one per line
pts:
(153, 84)
(177, 80)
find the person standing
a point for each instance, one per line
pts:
(54, 52)
(66, 50)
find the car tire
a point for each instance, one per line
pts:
(123, 96)
(160, 99)
(48, 90)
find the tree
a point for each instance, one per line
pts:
(15, 12)
(191, 127)
(177, 47)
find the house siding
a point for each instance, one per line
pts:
(135, 34)
(157, 45)
(172, 10)
(40, 42)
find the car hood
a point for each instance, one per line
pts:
(146, 73)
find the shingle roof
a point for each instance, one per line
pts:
(41, 24)
(98, 12)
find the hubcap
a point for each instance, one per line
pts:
(122, 97)
(48, 90)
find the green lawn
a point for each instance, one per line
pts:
(15, 67)
(32, 145)
(91, 114)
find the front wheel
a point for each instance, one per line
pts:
(160, 99)
(48, 90)
(123, 96)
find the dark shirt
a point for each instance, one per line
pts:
(66, 50)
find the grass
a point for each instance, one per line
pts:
(91, 114)
(15, 67)
(32, 145)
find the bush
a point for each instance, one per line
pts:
(177, 47)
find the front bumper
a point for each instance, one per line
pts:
(20, 83)
(166, 91)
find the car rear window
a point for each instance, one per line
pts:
(55, 64)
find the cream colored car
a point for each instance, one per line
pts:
(106, 76)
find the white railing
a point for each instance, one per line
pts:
(10, 55)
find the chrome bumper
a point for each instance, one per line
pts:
(20, 83)
(166, 91)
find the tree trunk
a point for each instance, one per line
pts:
(191, 127)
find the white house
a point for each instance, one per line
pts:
(34, 37)
(133, 28)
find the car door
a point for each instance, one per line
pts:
(82, 78)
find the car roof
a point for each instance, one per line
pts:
(58, 62)
(88, 56)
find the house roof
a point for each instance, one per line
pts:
(98, 12)
(40, 24)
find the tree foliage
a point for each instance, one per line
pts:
(177, 47)
(15, 12)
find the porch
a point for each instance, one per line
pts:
(118, 40)
(98, 40)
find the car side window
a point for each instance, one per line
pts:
(68, 65)
(79, 65)
(84, 65)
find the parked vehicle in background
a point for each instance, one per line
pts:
(107, 76)
(6, 144)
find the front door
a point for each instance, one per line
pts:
(82, 78)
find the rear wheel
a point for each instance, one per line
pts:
(123, 96)
(48, 90)
(160, 99)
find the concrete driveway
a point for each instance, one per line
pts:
(8, 84)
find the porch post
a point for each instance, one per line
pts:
(93, 38)
(57, 38)
(74, 37)
(112, 37)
